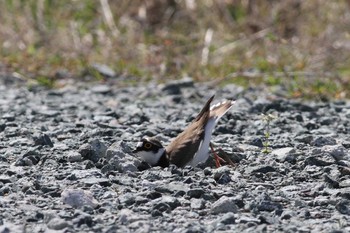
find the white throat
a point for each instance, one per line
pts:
(150, 157)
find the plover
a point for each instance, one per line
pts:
(191, 146)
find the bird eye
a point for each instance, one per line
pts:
(148, 145)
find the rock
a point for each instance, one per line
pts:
(286, 154)
(337, 151)
(264, 203)
(98, 147)
(224, 205)
(8, 117)
(197, 204)
(343, 207)
(104, 70)
(320, 160)
(101, 89)
(93, 151)
(323, 141)
(227, 218)
(222, 175)
(261, 169)
(172, 202)
(344, 183)
(42, 140)
(173, 87)
(57, 224)
(77, 198)
(120, 160)
(74, 156)
(195, 193)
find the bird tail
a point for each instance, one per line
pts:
(218, 110)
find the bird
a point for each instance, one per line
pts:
(191, 146)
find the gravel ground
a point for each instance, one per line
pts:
(67, 166)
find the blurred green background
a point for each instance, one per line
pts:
(301, 46)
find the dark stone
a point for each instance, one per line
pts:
(261, 169)
(224, 179)
(83, 219)
(42, 139)
(8, 117)
(195, 193)
(323, 140)
(228, 218)
(320, 160)
(87, 152)
(256, 142)
(343, 207)
(331, 182)
(2, 127)
(162, 207)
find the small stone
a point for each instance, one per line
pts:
(343, 207)
(74, 156)
(304, 138)
(77, 198)
(174, 87)
(118, 156)
(337, 151)
(104, 70)
(221, 171)
(344, 183)
(161, 207)
(261, 169)
(197, 204)
(57, 224)
(323, 141)
(207, 171)
(127, 199)
(42, 140)
(195, 193)
(320, 160)
(98, 147)
(87, 152)
(227, 218)
(82, 218)
(173, 202)
(8, 117)
(224, 205)
(93, 151)
(2, 126)
(125, 215)
(331, 182)
(264, 203)
(96, 181)
(256, 142)
(285, 154)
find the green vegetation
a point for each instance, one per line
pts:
(300, 45)
(267, 118)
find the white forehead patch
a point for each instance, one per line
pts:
(139, 144)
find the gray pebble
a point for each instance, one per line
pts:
(224, 205)
(77, 198)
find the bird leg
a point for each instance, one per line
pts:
(218, 159)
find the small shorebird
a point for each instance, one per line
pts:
(191, 146)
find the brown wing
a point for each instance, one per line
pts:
(182, 149)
